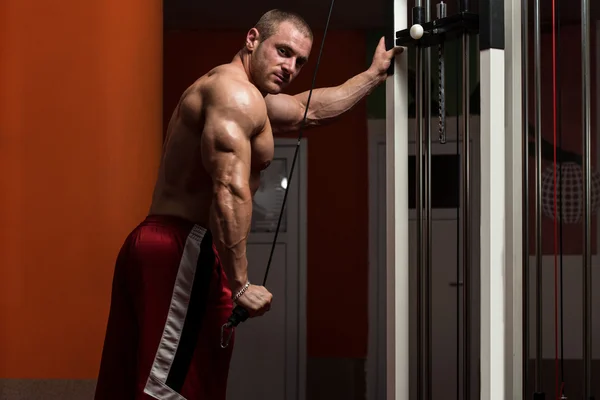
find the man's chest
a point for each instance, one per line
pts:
(263, 149)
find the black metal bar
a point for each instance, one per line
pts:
(491, 24)
(418, 16)
(458, 247)
(419, 205)
(428, 224)
(466, 171)
(587, 197)
(390, 32)
(538, 199)
(560, 191)
(441, 30)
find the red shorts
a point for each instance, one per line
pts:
(169, 300)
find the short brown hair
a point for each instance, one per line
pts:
(269, 22)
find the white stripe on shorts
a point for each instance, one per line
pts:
(156, 384)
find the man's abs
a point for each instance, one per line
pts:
(183, 186)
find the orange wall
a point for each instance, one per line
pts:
(80, 119)
(337, 182)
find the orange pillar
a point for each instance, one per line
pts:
(80, 140)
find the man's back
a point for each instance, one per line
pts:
(220, 109)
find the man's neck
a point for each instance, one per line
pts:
(242, 61)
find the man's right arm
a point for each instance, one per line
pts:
(226, 154)
(231, 117)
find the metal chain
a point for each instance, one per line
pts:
(441, 94)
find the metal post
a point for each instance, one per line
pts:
(418, 16)
(495, 185)
(466, 212)
(538, 199)
(398, 368)
(427, 224)
(466, 217)
(513, 264)
(587, 192)
(419, 206)
(525, 189)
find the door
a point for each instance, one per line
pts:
(269, 357)
(446, 257)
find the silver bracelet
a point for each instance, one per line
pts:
(241, 292)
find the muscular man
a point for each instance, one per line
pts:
(180, 271)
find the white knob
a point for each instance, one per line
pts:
(416, 31)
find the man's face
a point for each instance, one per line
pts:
(278, 60)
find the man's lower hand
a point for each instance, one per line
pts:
(256, 300)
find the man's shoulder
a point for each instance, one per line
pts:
(229, 83)
(226, 91)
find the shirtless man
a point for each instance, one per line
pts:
(181, 270)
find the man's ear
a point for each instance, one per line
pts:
(252, 39)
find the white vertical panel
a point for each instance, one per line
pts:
(492, 232)
(514, 201)
(397, 220)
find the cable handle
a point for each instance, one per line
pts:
(238, 315)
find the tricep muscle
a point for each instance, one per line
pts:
(229, 125)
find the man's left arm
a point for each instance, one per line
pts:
(286, 113)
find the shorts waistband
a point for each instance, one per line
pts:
(173, 220)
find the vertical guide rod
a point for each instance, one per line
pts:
(587, 170)
(466, 217)
(538, 199)
(466, 212)
(418, 19)
(525, 189)
(427, 223)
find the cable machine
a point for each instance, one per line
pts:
(504, 370)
